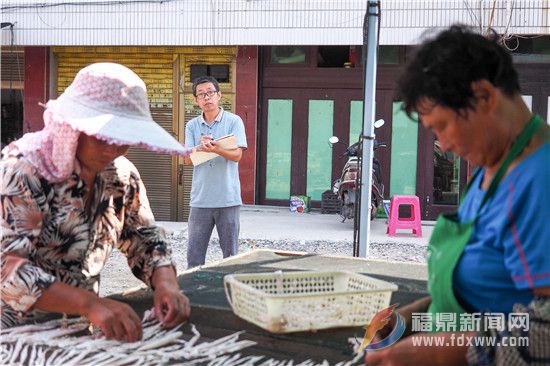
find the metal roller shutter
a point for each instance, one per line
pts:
(12, 67)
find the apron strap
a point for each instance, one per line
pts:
(520, 144)
(469, 184)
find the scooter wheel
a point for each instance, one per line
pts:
(373, 207)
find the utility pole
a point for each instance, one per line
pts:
(370, 59)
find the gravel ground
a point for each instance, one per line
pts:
(117, 277)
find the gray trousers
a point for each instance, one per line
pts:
(200, 226)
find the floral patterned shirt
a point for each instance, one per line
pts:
(47, 234)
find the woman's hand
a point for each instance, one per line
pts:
(402, 353)
(115, 319)
(171, 305)
(406, 352)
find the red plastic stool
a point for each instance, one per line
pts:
(413, 222)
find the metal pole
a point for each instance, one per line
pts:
(370, 48)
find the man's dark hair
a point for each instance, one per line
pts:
(202, 80)
(443, 69)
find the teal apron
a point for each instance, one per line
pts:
(451, 236)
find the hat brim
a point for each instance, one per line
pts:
(118, 129)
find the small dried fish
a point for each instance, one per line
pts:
(23, 353)
(33, 355)
(55, 343)
(50, 344)
(161, 341)
(15, 352)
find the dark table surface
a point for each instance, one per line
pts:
(214, 318)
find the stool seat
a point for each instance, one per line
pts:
(413, 222)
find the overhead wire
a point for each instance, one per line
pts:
(79, 3)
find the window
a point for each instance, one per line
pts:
(333, 56)
(535, 49)
(288, 55)
(219, 71)
(388, 55)
(350, 56)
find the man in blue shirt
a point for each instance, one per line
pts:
(216, 188)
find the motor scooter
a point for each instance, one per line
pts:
(345, 187)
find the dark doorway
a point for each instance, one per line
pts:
(12, 115)
(441, 176)
(13, 61)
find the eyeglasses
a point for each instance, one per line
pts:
(208, 94)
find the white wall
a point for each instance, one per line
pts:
(528, 99)
(254, 22)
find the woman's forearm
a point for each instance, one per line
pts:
(419, 306)
(437, 349)
(63, 298)
(164, 276)
(453, 350)
(115, 319)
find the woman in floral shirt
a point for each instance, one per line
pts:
(68, 197)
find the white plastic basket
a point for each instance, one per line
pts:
(302, 301)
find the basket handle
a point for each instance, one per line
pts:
(227, 289)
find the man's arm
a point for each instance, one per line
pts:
(187, 158)
(189, 142)
(232, 154)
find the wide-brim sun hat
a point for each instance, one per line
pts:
(109, 101)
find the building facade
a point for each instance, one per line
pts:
(291, 69)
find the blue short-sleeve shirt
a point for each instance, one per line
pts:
(216, 182)
(509, 252)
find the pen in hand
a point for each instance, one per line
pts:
(207, 143)
(206, 138)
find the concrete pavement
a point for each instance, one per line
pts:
(276, 228)
(278, 223)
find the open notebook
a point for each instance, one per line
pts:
(227, 142)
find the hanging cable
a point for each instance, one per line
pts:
(43, 5)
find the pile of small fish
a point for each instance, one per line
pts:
(60, 342)
(57, 342)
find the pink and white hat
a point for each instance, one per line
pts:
(109, 101)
